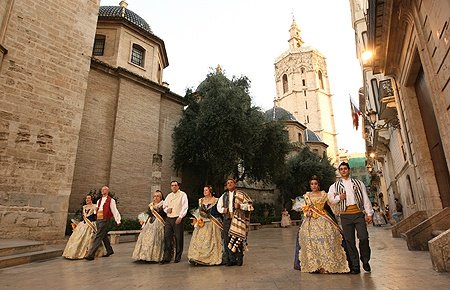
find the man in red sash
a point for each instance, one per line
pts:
(106, 209)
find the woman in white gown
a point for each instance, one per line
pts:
(81, 239)
(150, 244)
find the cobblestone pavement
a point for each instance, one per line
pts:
(267, 265)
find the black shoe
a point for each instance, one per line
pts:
(366, 267)
(239, 262)
(89, 258)
(355, 271)
(177, 261)
(108, 254)
(231, 263)
(164, 262)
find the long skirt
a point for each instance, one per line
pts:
(206, 245)
(321, 247)
(80, 242)
(150, 244)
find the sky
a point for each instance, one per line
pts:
(245, 37)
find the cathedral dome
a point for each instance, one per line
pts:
(277, 113)
(115, 12)
(310, 136)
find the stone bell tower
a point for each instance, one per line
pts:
(303, 89)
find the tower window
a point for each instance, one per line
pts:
(302, 69)
(138, 55)
(304, 82)
(99, 45)
(300, 137)
(306, 105)
(285, 84)
(307, 119)
(320, 80)
(304, 92)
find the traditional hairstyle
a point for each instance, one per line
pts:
(316, 178)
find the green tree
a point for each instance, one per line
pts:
(300, 168)
(221, 134)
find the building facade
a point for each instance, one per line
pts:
(70, 122)
(303, 89)
(403, 49)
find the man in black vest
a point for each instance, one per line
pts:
(355, 210)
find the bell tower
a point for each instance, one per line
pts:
(303, 89)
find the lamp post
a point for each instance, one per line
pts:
(371, 118)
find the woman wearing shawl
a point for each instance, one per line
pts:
(206, 243)
(81, 239)
(319, 236)
(150, 244)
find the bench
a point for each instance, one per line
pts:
(115, 235)
(254, 226)
(276, 224)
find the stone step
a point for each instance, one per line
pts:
(14, 247)
(24, 258)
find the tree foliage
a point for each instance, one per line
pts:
(220, 131)
(300, 168)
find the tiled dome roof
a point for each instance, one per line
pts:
(310, 136)
(115, 12)
(278, 113)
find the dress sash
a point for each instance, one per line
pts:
(320, 213)
(157, 215)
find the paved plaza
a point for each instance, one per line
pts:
(267, 265)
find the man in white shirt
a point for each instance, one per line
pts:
(355, 210)
(176, 206)
(235, 206)
(106, 209)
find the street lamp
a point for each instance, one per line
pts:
(371, 118)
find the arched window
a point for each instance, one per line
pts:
(285, 84)
(137, 55)
(320, 80)
(99, 45)
(302, 69)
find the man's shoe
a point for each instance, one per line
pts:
(177, 261)
(355, 271)
(164, 262)
(108, 254)
(89, 258)
(366, 267)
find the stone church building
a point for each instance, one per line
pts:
(303, 89)
(82, 104)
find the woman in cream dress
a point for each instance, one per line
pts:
(319, 236)
(206, 244)
(150, 244)
(81, 239)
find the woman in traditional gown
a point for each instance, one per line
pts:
(150, 244)
(319, 236)
(206, 243)
(81, 239)
(378, 219)
(285, 218)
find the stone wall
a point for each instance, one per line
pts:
(128, 121)
(42, 88)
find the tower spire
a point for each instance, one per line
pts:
(295, 40)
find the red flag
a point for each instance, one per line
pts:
(355, 114)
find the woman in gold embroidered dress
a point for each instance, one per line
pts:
(81, 239)
(206, 244)
(150, 244)
(319, 236)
